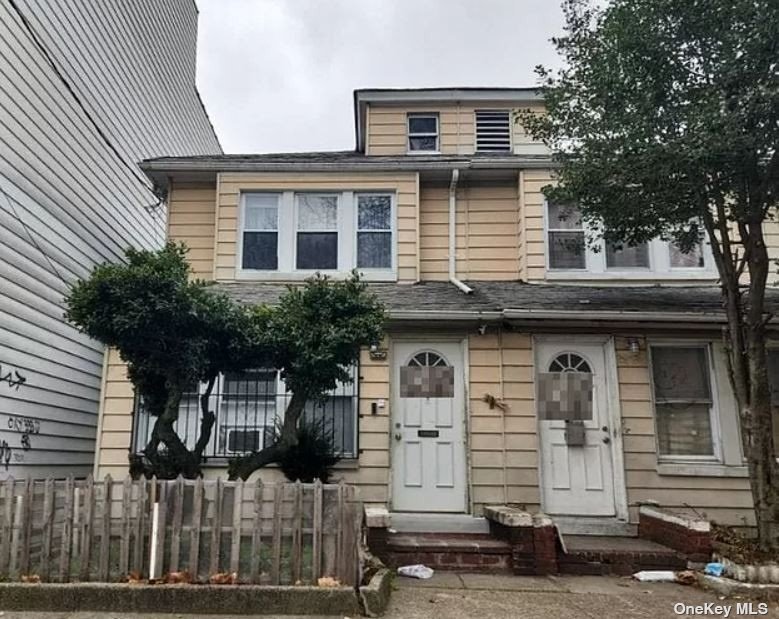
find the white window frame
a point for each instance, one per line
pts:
(717, 457)
(595, 261)
(338, 232)
(287, 237)
(436, 135)
(392, 230)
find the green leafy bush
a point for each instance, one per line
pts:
(312, 457)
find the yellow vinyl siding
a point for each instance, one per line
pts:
(230, 187)
(533, 250)
(116, 420)
(726, 499)
(503, 450)
(387, 131)
(487, 232)
(191, 219)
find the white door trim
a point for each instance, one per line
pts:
(614, 413)
(432, 340)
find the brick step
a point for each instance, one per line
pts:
(472, 552)
(615, 556)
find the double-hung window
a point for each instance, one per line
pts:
(374, 231)
(684, 401)
(261, 232)
(288, 235)
(572, 248)
(317, 231)
(423, 132)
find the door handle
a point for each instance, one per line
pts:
(398, 436)
(606, 440)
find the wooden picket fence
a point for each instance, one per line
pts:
(224, 531)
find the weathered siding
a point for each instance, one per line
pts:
(68, 201)
(387, 132)
(503, 445)
(724, 499)
(532, 241)
(487, 233)
(403, 184)
(192, 221)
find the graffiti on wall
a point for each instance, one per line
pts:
(27, 427)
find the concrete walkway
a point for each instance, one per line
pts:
(464, 596)
(476, 596)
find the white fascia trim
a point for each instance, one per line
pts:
(450, 95)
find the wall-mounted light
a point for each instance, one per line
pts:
(377, 353)
(634, 345)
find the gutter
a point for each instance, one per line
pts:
(583, 314)
(453, 233)
(451, 316)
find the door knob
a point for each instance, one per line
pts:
(606, 440)
(398, 436)
(605, 428)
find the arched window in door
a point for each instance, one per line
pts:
(427, 375)
(565, 391)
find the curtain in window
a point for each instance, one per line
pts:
(260, 232)
(566, 237)
(683, 400)
(620, 256)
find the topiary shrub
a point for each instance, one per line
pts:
(312, 457)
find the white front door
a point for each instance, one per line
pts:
(576, 471)
(428, 435)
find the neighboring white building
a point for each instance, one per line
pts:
(87, 89)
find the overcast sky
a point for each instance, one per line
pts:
(278, 75)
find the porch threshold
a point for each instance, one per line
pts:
(437, 522)
(591, 525)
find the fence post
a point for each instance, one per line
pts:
(235, 541)
(140, 527)
(275, 570)
(86, 531)
(194, 532)
(216, 528)
(66, 545)
(316, 535)
(256, 534)
(7, 529)
(46, 528)
(175, 527)
(105, 530)
(26, 525)
(297, 533)
(124, 541)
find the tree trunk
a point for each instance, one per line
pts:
(207, 420)
(757, 415)
(242, 467)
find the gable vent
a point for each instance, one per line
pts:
(493, 131)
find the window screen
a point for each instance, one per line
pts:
(422, 132)
(260, 232)
(317, 236)
(566, 237)
(374, 231)
(683, 400)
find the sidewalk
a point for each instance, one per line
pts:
(464, 596)
(480, 596)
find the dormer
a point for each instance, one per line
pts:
(445, 121)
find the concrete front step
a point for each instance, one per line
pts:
(603, 555)
(449, 551)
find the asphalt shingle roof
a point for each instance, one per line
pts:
(490, 296)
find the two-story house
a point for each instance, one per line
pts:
(520, 365)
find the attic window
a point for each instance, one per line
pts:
(423, 132)
(493, 131)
